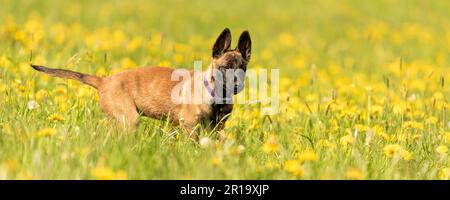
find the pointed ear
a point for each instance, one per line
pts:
(222, 44)
(245, 45)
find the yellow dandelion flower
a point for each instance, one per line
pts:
(11, 164)
(60, 90)
(432, 120)
(3, 87)
(103, 173)
(46, 132)
(354, 174)
(63, 107)
(307, 156)
(294, 167)
(271, 145)
(446, 137)
(272, 165)
(121, 175)
(442, 149)
(406, 155)
(413, 124)
(361, 128)
(134, 44)
(392, 149)
(346, 140)
(326, 144)
(26, 176)
(216, 161)
(55, 118)
(444, 174)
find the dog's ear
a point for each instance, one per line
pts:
(222, 44)
(245, 45)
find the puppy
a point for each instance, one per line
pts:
(150, 90)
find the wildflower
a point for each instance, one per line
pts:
(121, 175)
(26, 176)
(308, 156)
(3, 87)
(55, 118)
(60, 90)
(205, 142)
(134, 44)
(346, 140)
(326, 144)
(413, 124)
(41, 95)
(272, 165)
(271, 145)
(11, 164)
(444, 174)
(432, 120)
(216, 161)
(361, 128)
(240, 149)
(392, 149)
(406, 155)
(103, 173)
(32, 105)
(294, 167)
(63, 107)
(442, 149)
(46, 132)
(354, 174)
(446, 137)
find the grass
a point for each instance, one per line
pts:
(363, 89)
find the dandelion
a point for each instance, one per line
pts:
(406, 155)
(103, 173)
(121, 175)
(216, 161)
(307, 156)
(272, 165)
(446, 137)
(413, 124)
(26, 176)
(432, 120)
(294, 167)
(346, 140)
(3, 87)
(11, 165)
(60, 90)
(41, 95)
(240, 149)
(46, 132)
(392, 149)
(354, 174)
(326, 144)
(361, 128)
(55, 118)
(106, 173)
(444, 174)
(271, 145)
(442, 149)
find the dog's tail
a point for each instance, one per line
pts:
(91, 80)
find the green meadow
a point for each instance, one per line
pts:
(363, 89)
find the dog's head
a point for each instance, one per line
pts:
(231, 63)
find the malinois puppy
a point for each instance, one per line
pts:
(149, 90)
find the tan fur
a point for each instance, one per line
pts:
(147, 90)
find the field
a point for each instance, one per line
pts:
(363, 89)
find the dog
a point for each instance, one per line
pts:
(148, 91)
